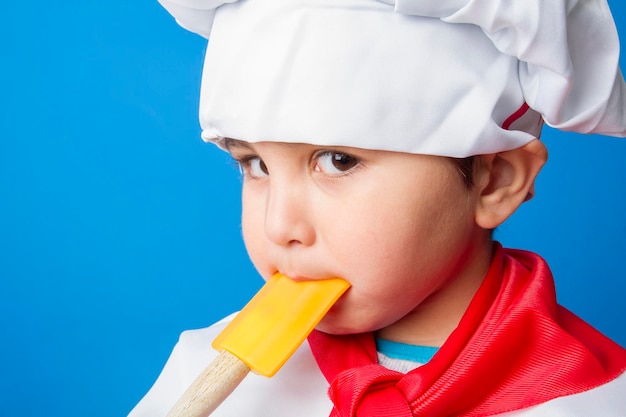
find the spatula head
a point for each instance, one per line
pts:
(277, 319)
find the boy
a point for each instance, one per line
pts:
(383, 142)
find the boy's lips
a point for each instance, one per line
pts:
(301, 277)
(297, 277)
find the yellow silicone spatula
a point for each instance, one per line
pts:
(260, 338)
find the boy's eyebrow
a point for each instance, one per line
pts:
(230, 143)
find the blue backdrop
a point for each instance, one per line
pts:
(119, 227)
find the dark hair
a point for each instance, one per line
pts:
(466, 169)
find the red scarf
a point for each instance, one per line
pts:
(515, 347)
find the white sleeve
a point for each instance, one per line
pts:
(298, 389)
(194, 15)
(190, 356)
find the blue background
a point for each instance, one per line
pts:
(119, 227)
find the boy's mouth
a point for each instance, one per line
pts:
(302, 277)
(297, 278)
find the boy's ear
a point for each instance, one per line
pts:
(505, 180)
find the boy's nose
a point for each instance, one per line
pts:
(288, 218)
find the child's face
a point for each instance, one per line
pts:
(396, 226)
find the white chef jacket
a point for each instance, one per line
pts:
(299, 388)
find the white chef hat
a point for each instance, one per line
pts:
(440, 77)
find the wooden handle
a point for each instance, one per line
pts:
(211, 387)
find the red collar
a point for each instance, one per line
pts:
(512, 339)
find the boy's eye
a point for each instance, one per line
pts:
(254, 167)
(331, 162)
